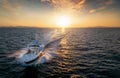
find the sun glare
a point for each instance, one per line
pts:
(63, 21)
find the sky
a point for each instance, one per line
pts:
(44, 13)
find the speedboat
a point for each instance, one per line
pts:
(36, 53)
(34, 49)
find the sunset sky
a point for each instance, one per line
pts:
(44, 13)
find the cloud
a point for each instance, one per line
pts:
(102, 4)
(10, 6)
(67, 5)
(79, 5)
(109, 2)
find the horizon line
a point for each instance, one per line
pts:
(57, 27)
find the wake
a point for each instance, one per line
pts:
(39, 50)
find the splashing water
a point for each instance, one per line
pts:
(38, 52)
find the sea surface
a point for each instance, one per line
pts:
(84, 53)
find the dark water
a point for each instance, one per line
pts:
(85, 53)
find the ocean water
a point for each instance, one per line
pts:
(85, 53)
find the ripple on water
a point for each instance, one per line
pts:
(85, 53)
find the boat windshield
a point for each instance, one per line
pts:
(33, 45)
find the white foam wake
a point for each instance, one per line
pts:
(43, 53)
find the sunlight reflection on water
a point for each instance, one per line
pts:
(92, 53)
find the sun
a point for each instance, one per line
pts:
(63, 21)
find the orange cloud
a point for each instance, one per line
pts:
(67, 5)
(78, 5)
